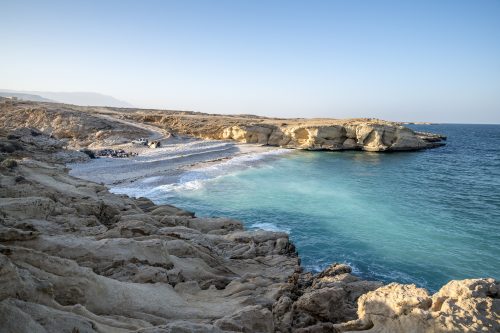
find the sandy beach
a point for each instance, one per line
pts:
(172, 159)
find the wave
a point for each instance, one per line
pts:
(269, 227)
(196, 178)
(316, 268)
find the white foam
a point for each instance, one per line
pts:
(196, 178)
(315, 268)
(269, 227)
(191, 185)
(321, 267)
(131, 191)
(355, 269)
(242, 160)
(150, 179)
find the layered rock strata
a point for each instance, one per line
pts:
(368, 136)
(92, 126)
(309, 134)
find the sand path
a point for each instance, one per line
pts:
(156, 133)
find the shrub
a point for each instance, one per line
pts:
(9, 163)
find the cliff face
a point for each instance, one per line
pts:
(369, 136)
(93, 126)
(310, 134)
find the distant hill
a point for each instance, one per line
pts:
(27, 97)
(77, 98)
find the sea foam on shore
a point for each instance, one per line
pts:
(422, 218)
(183, 165)
(193, 177)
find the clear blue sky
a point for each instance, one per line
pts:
(399, 60)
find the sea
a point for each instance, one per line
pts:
(424, 217)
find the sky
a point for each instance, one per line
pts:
(397, 60)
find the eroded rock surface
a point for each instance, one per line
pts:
(76, 258)
(369, 135)
(96, 262)
(68, 123)
(315, 302)
(309, 134)
(90, 126)
(471, 305)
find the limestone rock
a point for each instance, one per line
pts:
(76, 258)
(460, 306)
(316, 302)
(369, 136)
(249, 319)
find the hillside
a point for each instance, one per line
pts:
(76, 98)
(99, 123)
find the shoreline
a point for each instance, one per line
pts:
(169, 161)
(312, 285)
(94, 261)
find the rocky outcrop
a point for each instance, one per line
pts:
(67, 122)
(76, 258)
(311, 134)
(460, 306)
(315, 302)
(92, 126)
(369, 136)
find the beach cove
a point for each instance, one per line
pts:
(229, 235)
(362, 209)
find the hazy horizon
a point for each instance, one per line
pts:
(421, 61)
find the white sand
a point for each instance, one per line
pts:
(172, 159)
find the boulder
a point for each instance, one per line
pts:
(251, 319)
(460, 306)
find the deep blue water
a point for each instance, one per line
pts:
(415, 217)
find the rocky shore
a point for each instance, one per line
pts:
(99, 126)
(76, 258)
(309, 134)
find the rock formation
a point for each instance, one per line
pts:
(68, 123)
(460, 306)
(309, 134)
(353, 135)
(76, 258)
(84, 126)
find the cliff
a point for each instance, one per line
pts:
(100, 126)
(354, 135)
(309, 134)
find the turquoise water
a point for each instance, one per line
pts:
(414, 217)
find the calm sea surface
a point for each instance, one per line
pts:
(414, 217)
